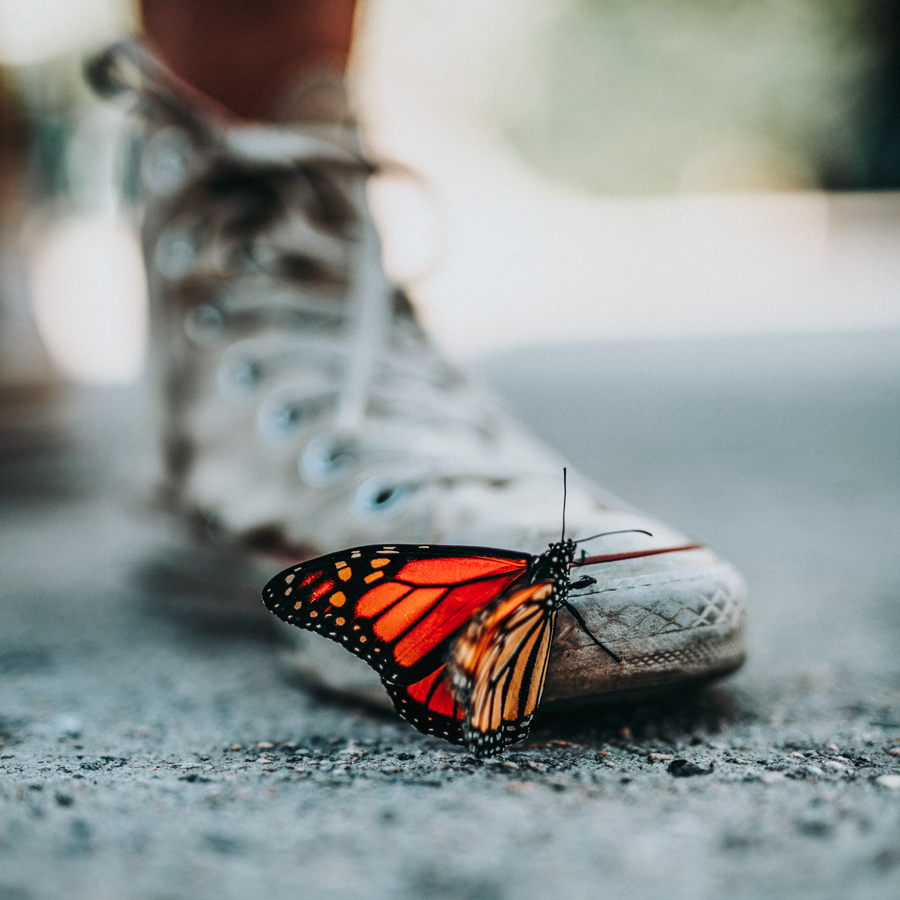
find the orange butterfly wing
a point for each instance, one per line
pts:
(430, 706)
(395, 606)
(487, 693)
(497, 667)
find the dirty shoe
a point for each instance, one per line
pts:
(304, 410)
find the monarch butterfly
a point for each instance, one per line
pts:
(459, 635)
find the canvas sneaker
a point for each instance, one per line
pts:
(303, 409)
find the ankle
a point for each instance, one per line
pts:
(244, 54)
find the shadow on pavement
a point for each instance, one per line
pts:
(683, 716)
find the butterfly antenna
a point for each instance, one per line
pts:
(577, 616)
(607, 533)
(562, 539)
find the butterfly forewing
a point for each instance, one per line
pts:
(497, 667)
(396, 606)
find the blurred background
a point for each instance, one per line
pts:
(592, 169)
(687, 212)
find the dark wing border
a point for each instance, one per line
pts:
(304, 595)
(421, 715)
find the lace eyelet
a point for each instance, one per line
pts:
(240, 377)
(204, 324)
(376, 498)
(281, 420)
(168, 157)
(327, 459)
(176, 251)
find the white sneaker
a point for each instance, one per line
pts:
(304, 410)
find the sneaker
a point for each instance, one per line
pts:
(305, 411)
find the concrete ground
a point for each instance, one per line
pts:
(151, 746)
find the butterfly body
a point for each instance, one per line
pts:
(499, 661)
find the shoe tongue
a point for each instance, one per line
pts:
(319, 99)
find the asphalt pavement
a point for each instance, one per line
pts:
(154, 746)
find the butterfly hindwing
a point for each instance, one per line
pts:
(486, 695)
(497, 666)
(395, 606)
(430, 706)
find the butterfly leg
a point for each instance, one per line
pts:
(578, 618)
(584, 582)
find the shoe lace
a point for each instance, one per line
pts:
(285, 234)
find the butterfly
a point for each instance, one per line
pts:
(460, 635)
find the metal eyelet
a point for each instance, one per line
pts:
(166, 161)
(240, 377)
(377, 497)
(204, 324)
(327, 459)
(280, 420)
(175, 253)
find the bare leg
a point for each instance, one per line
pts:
(246, 53)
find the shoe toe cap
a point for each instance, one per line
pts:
(673, 619)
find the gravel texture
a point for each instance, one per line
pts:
(152, 746)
